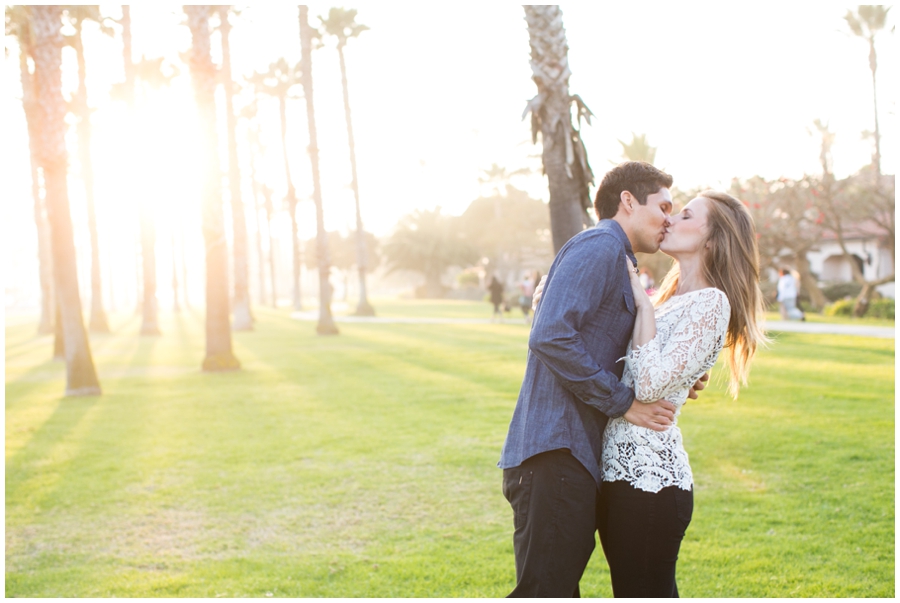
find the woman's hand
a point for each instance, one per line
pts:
(538, 291)
(641, 299)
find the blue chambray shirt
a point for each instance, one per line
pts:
(581, 329)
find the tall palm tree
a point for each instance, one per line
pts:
(270, 211)
(219, 354)
(126, 91)
(46, 22)
(176, 307)
(77, 15)
(326, 324)
(277, 82)
(243, 318)
(866, 22)
(18, 25)
(563, 153)
(342, 25)
(149, 74)
(248, 113)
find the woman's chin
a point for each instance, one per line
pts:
(665, 248)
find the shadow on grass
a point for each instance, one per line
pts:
(21, 465)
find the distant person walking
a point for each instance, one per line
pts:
(787, 296)
(496, 289)
(526, 292)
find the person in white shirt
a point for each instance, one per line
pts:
(787, 296)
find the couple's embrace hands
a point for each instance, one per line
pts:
(658, 415)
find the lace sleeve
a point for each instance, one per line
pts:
(677, 356)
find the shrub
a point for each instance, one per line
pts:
(468, 278)
(842, 307)
(881, 308)
(838, 291)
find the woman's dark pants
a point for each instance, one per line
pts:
(641, 533)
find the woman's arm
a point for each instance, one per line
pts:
(661, 368)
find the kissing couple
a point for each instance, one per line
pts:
(593, 444)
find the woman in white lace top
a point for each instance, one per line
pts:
(708, 302)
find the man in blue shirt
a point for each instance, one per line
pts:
(551, 457)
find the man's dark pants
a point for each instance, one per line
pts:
(554, 501)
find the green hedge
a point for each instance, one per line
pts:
(838, 291)
(878, 308)
(881, 308)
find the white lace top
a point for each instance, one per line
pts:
(690, 333)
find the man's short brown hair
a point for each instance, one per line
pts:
(637, 177)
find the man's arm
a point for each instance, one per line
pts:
(572, 294)
(657, 416)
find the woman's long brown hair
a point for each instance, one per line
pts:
(731, 264)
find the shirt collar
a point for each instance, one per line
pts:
(615, 229)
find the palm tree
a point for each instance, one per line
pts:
(326, 324)
(277, 82)
(270, 210)
(77, 15)
(18, 25)
(219, 355)
(638, 149)
(149, 72)
(248, 112)
(342, 25)
(243, 319)
(46, 22)
(866, 22)
(564, 156)
(176, 307)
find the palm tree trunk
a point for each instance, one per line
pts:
(146, 264)
(45, 256)
(326, 324)
(98, 322)
(45, 268)
(126, 56)
(243, 318)
(184, 271)
(267, 192)
(130, 78)
(873, 65)
(292, 208)
(363, 308)
(565, 161)
(81, 376)
(261, 270)
(149, 306)
(176, 307)
(219, 355)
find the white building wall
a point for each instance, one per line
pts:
(829, 263)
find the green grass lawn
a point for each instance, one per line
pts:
(365, 465)
(849, 320)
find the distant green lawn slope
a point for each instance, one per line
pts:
(365, 465)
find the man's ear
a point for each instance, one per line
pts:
(628, 200)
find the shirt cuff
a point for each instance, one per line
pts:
(622, 399)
